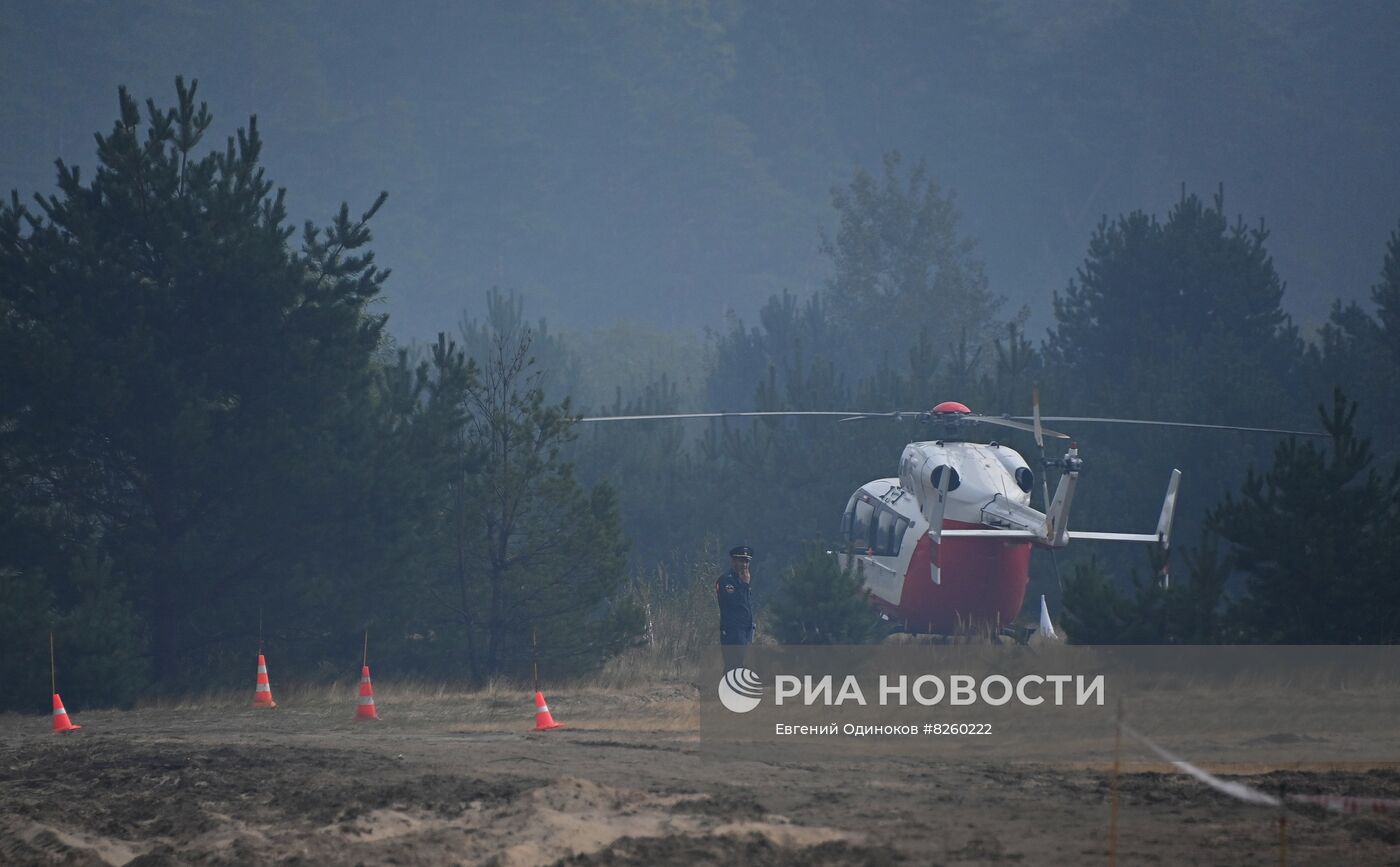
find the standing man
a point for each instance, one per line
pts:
(735, 608)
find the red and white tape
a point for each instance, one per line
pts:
(1249, 795)
(1238, 791)
(1344, 804)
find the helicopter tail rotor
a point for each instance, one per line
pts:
(1164, 528)
(1040, 444)
(1045, 489)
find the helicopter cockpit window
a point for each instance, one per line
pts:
(861, 519)
(870, 526)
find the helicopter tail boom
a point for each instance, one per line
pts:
(1057, 536)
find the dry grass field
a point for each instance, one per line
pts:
(459, 778)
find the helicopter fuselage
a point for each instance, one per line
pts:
(981, 581)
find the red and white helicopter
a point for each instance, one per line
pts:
(947, 542)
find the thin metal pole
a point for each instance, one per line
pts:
(260, 649)
(53, 672)
(535, 655)
(366, 656)
(1113, 790)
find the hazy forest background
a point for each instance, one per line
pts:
(218, 421)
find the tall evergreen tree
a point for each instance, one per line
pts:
(1170, 286)
(181, 388)
(1386, 294)
(1318, 536)
(1363, 351)
(902, 269)
(1178, 319)
(554, 362)
(541, 558)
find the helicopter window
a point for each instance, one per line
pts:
(869, 526)
(884, 529)
(889, 533)
(861, 521)
(900, 528)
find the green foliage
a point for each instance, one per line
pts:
(1386, 295)
(1363, 351)
(1317, 535)
(820, 602)
(192, 426)
(663, 492)
(901, 267)
(1097, 612)
(792, 334)
(552, 360)
(1186, 610)
(536, 554)
(1146, 282)
(102, 637)
(1182, 320)
(397, 509)
(26, 616)
(99, 638)
(623, 362)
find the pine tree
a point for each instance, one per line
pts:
(1178, 319)
(1317, 535)
(820, 602)
(1386, 295)
(902, 269)
(1363, 351)
(541, 559)
(1187, 610)
(179, 387)
(1146, 283)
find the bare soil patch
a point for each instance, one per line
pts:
(461, 780)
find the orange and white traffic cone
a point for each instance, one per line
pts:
(61, 722)
(262, 694)
(366, 709)
(544, 720)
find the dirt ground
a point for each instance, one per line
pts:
(461, 779)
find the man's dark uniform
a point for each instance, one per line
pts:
(735, 614)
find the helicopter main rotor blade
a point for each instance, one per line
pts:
(1035, 416)
(1080, 419)
(848, 415)
(1016, 423)
(897, 415)
(676, 415)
